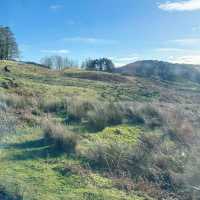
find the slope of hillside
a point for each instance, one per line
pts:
(74, 134)
(162, 70)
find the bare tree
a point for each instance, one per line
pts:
(58, 62)
(47, 61)
(67, 62)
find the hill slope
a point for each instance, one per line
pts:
(76, 134)
(162, 70)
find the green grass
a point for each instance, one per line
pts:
(29, 163)
(32, 167)
(120, 134)
(33, 80)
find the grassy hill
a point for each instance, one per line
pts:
(75, 134)
(162, 70)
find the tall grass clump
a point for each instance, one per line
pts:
(118, 159)
(59, 136)
(151, 116)
(16, 101)
(73, 108)
(99, 114)
(103, 115)
(114, 113)
(9, 189)
(77, 109)
(179, 128)
(7, 121)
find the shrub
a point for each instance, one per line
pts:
(99, 115)
(77, 108)
(27, 117)
(76, 169)
(116, 150)
(132, 115)
(54, 105)
(151, 116)
(10, 189)
(5, 195)
(16, 101)
(73, 108)
(178, 128)
(117, 158)
(63, 139)
(102, 155)
(7, 123)
(103, 115)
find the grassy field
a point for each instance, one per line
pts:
(28, 163)
(32, 167)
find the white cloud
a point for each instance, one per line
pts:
(167, 50)
(90, 40)
(186, 5)
(178, 55)
(58, 51)
(186, 41)
(187, 59)
(121, 61)
(56, 7)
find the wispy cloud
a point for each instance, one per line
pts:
(184, 5)
(187, 59)
(90, 40)
(120, 61)
(186, 41)
(179, 55)
(56, 7)
(171, 50)
(55, 51)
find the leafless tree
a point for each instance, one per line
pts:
(58, 62)
(47, 61)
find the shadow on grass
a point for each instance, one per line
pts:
(5, 195)
(36, 149)
(29, 144)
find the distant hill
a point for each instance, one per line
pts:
(162, 70)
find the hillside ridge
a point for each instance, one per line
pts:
(162, 70)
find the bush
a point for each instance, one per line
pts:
(108, 114)
(7, 123)
(5, 195)
(116, 150)
(77, 108)
(99, 115)
(151, 116)
(178, 128)
(61, 138)
(16, 101)
(103, 115)
(117, 159)
(54, 105)
(132, 115)
(73, 108)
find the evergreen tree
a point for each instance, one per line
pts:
(102, 64)
(8, 44)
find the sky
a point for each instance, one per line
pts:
(122, 30)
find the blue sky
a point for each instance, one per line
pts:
(124, 30)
